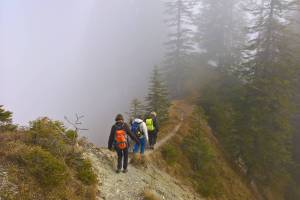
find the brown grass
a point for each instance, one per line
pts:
(139, 161)
(234, 185)
(149, 195)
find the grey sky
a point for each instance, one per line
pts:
(58, 57)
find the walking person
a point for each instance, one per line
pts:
(152, 127)
(119, 140)
(139, 129)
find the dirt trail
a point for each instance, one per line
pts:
(166, 138)
(131, 185)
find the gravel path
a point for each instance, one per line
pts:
(131, 185)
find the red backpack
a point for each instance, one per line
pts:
(121, 137)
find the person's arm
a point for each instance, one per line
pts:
(156, 124)
(111, 138)
(145, 130)
(128, 131)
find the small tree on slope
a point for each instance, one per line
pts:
(136, 108)
(157, 99)
(5, 120)
(5, 116)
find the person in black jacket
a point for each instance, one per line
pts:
(153, 128)
(118, 139)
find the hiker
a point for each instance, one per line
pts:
(119, 139)
(139, 129)
(152, 126)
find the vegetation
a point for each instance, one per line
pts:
(5, 116)
(179, 45)
(84, 171)
(136, 109)
(170, 154)
(202, 158)
(157, 99)
(251, 48)
(199, 160)
(42, 164)
(6, 120)
(148, 195)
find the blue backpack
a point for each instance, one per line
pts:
(136, 130)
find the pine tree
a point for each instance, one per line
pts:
(5, 116)
(137, 109)
(270, 73)
(6, 120)
(219, 32)
(179, 44)
(157, 98)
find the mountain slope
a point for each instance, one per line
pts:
(195, 157)
(131, 185)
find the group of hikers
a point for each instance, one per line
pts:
(141, 132)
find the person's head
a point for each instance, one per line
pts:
(153, 114)
(119, 118)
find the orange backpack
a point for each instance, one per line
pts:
(121, 137)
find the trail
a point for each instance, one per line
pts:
(131, 185)
(166, 138)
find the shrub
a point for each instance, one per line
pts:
(202, 159)
(47, 170)
(49, 135)
(83, 167)
(170, 154)
(71, 136)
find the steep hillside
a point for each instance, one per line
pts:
(195, 158)
(42, 163)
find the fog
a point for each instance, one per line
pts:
(61, 57)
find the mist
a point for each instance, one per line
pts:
(91, 57)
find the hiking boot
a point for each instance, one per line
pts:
(125, 171)
(118, 171)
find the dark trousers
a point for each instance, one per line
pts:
(152, 137)
(122, 156)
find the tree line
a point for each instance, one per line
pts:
(251, 49)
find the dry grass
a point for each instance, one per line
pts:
(149, 195)
(234, 187)
(139, 161)
(17, 158)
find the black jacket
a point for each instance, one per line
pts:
(113, 132)
(156, 126)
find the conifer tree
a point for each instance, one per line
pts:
(6, 120)
(5, 116)
(179, 44)
(157, 99)
(270, 73)
(136, 108)
(219, 32)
